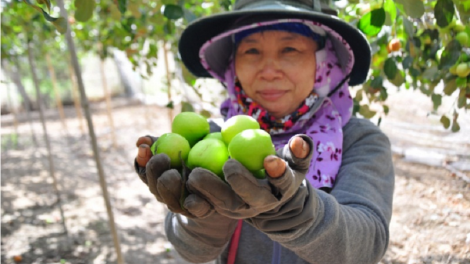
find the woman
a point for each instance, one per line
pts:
(328, 193)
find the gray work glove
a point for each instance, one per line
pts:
(168, 185)
(271, 204)
(193, 214)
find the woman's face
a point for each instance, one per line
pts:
(276, 69)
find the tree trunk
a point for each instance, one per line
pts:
(60, 107)
(15, 77)
(96, 153)
(46, 136)
(26, 105)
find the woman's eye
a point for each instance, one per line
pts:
(252, 51)
(288, 49)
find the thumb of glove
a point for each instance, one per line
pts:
(298, 152)
(287, 184)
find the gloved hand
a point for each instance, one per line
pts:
(167, 184)
(197, 217)
(262, 202)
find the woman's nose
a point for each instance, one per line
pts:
(270, 69)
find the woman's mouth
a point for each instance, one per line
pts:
(271, 95)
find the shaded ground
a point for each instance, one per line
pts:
(431, 220)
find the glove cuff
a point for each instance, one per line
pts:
(214, 230)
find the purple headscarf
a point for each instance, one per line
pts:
(325, 119)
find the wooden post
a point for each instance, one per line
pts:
(148, 114)
(168, 77)
(46, 136)
(76, 98)
(60, 107)
(13, 112)
(91, 130)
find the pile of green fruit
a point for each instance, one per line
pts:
(190, 143)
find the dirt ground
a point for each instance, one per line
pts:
(430, 224)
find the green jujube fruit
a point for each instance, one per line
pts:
(172, 144)
(210, 154)
(250, 147)
(190, 125)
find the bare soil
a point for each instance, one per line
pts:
(430, 224)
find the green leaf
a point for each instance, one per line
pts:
(366, 112)
(390, 68)
(84, 9)
(450, 55)
(205, 113)
(115, 13)
(377, 82)
(170, 105)
(450, 87)
(407, 62)
(187, 107)
(152, 51)
(436, 100)
(60, 24)
(461, 82)
(383, 94)
(415, 72)
(398, 80)
(45, 2)
(34, 6)
(431, 73)
(455, 126)
(188, 77)
(133, 7)
(444, 12)
(412, 8)
(371, 23)
(168, 27)
(149, 68)
(391, 15)
(409, 27)
(358, 96)
(173, 12)
(122, 6)
(356, 107)
(189, 16)
(445, 121)
(462, 100)
(386, 109)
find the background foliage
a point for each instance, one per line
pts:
(416, 44)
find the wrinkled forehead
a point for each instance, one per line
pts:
(217, 53)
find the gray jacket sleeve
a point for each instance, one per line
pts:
(351, 224)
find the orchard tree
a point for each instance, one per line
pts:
(416, 44)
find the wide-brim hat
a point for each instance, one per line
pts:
(246, 12)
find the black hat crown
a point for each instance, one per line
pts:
(322, 6)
